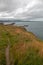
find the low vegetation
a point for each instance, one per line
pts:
(19, 47)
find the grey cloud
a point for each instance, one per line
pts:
(19, 9)
(11, 5)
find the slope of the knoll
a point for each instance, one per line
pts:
(19, 47)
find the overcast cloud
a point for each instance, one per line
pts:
(21, 9)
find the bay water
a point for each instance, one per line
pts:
(34, 27)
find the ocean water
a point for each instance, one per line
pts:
(34, 27)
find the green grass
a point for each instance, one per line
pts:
(18, 54)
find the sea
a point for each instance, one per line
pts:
(35, 27)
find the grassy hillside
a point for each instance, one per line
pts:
(19, 47)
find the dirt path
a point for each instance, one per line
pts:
(7, 55)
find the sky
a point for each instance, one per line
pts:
(21, 9)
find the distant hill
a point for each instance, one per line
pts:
(19, 47)
(16, 20)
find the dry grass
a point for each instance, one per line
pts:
(24, 47)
